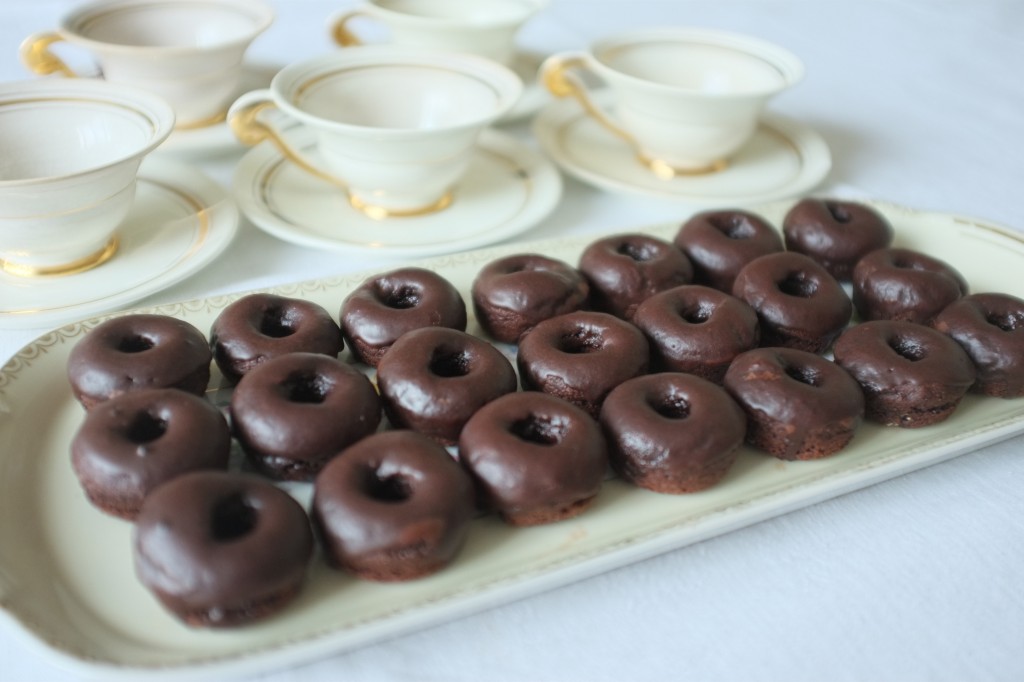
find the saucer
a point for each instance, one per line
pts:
(217, 138)
(180, 221)
(508, 189)
(526, 65)
(784, 158)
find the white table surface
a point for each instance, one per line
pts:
(918, 578)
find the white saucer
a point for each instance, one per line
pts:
(508, 189)
(526, 64)
(180, 221)
(218, 138)
(785, 158)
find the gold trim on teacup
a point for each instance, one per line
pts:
(666, 171)
(73, 268)
(306, 86)
(376, 212)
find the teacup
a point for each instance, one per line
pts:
(395, 127)
(190, 52)
(70, 155)
(482, 27)
(684, 99)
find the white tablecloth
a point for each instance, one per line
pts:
(918, 578)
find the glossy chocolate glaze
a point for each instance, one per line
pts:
(512, 294)
(672, 432)
(798, 304)
(535, 458)
(130, 444)
(259, 327)
(222, 549)
(295, 412)
(990, 328)
(388, 305)
(394, 506)
(836, 234)
(902, 284)
(697, 330)
(581, 356)
(720, 243)
(434, 379)
(911, 375)
(625, 269)
(799, 405)
(138, 351)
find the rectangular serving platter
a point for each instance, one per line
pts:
(66, 577)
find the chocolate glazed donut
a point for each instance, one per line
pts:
(720, 243)
(911, 375)
(990, 328)
(434, 379)
(395, 506)
(672, 433)
(512, 294)
(902, 284)
(836, 234)
(132, 443)
(625, 269)
(535, 458)
(386, 306)
(294, 413)
(259, 327)
(799, 305)
(222, 549)
(134, 352)
(581, 356)
(799, 405)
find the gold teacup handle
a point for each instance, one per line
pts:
(36, 55)
(557, 76)
(340, 31)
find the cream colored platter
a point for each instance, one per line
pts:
(66, 576)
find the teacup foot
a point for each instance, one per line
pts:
(376, 212)
(72, 268)
(667, 171)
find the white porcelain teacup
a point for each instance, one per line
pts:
(395, 127)
(190, 52)
(69, 156)
(684, 99)
(483, 27)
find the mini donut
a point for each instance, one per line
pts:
(911, 375)
(433, 379)
(388, 305)
(138, 351)
(295, 412)
(990, 328)
(798, 304)
(222, 549)
(799, 405)
(834, 233)
(720, 243)
(625, 269)
(697, 330)
(902, 284)
(581, 356)
(512, 294)
(535, 458)
(130, 444)
(671, 432)
(392, 507)
(258, 327)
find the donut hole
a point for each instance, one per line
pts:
(276, 324)
(581, 341)
(539, 429)
(232, 518)
(907, 262)
(389, 488)
(798, 284)
(401, 297)
(908, 348)
(638, 251)
(146, 427)
(1010, 322)
(733, 226)
(309, 388)
(804, 374)
(839, 212)
(448, 364)
(136, 343)
(696, 313)
(670, 405)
